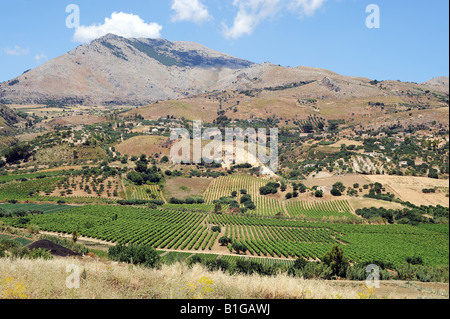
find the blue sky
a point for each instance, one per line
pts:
(410, 45)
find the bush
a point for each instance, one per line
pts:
(137, 255)
(225, 241)
(246, 198)
(270, 188)
(318, 193)
(336, 192)
(238, 247)
(414, 260)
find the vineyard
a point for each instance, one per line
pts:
(163, 229)
(280, 239)
(147, 192)
(269, 206)
(302, 230)
(313, 209)
(25, 189)
(45, 208)
(225, 185)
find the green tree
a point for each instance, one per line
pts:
(336, 261)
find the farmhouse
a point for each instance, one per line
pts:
(403, 164)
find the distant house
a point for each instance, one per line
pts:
(403, 164)
(373, 154)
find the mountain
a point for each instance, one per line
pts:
(113, 70)
(440, 84)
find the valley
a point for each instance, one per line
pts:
(363, 164)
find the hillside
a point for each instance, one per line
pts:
(113, 70)
(8, 118)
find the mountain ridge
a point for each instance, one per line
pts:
(113, 70)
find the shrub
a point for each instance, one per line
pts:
(336, 192)
(414, 260)
(138, 255)
(225, 241)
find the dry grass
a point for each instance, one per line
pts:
(182, 188)
(40, 279)
(148, 145)
(409, 188)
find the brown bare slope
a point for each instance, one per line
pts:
(115, 70)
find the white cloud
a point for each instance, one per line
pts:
(252, 12)
(308, 7)
(121, 24)
(40, 57)
(190, 10)
(16, 51)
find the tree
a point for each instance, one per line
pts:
(224, 241)
(336, 261)
(250, 205)
(18, 153)
(238, 247)
(300, 263)
(75, 236)
(246, 198)
(218, 208)
(164, 159)
(336, 192)
(301, 188)
(433, 173)
(339, 186)
(318, 193)
(216, 229)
